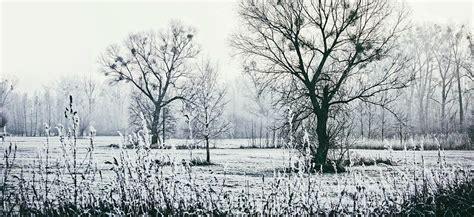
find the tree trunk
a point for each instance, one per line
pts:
(429, 95)
(369, 124)
(154, 125)
(443, 109)
(382, 133)
(323, 137)
(253, 136)
(208, 154)
(421, 113)
(461, 110)
(273, 138)
(260, 139)
(164, 120)
(361, 120)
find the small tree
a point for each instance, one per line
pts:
(155, 64)
(6, 90)
(207, 105)
(90, 88)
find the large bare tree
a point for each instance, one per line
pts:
(155, 64)
(321, 55)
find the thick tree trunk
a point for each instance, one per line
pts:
(321, 110)
(154, 125)
(323, 137)
(208, 154)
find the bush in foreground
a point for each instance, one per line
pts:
(456, 200)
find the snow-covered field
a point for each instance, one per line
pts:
(239, 179)
(234, 163)
(227, 152)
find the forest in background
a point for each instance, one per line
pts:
(438, 99)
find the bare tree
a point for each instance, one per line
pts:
(35, 111)
(6, 90)
(155, 64)
(460, 55)
(423, 68)
(90, 92)
(25, 104)
(328, 52)
(442, 55)
(207, 105)
(48, 101)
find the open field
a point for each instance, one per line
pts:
(276, 108)
(228, 153)
(254, 173)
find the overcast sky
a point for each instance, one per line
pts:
(41, 41)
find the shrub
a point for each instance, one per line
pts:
(456, 200)
(200, 162)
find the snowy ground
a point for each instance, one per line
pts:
(236, 166)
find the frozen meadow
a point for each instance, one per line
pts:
(283, 107)
(240, 180)
(226, 153)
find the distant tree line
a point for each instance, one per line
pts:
(438, 99)
(327, 69)
(101, 106)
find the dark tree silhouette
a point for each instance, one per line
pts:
(321, 55)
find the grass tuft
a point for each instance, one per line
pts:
(201, 162)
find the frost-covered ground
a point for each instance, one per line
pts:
(233, 164)
(255, 174)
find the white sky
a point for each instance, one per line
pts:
(41, 41)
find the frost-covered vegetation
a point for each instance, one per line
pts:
(453, 141)
(138, 181)
(345, 108)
